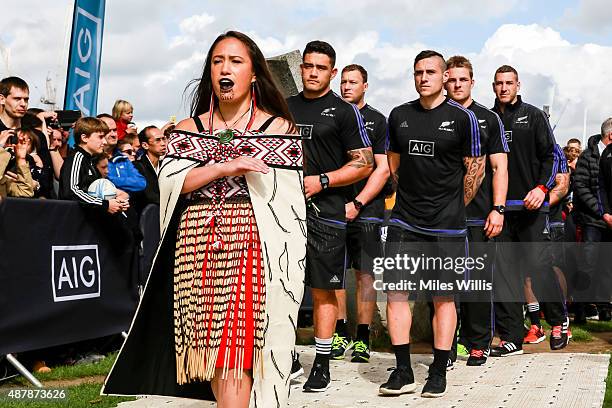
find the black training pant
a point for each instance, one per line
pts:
(533, 257)
(476, 308)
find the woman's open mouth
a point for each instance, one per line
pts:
(226, 88)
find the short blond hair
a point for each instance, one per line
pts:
(120, 107)
(459, 61)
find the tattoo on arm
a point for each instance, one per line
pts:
(394, 179)
(560, 189)
(360, 158)
(473, 177)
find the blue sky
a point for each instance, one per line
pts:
(151, 49)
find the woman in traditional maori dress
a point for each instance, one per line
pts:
(218, 314)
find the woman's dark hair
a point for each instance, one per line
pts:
(267, 94)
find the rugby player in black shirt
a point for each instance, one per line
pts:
(532, 167)
(485, 214)
(436, 164)
(337, 153)
(364, 213)
(556, 235)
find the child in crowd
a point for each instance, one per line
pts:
(79, 171)
(123, 113)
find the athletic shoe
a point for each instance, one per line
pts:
(401, 381)
(462, 352)
(296, 368)
(535, 335)
(318, 380)
(340, 345)
(361, 352)
(558, 337)
(477, 357)
(591, 312)
(435, 386)
(506, 349)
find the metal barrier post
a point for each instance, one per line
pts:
(28, 375)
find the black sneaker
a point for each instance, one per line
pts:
(361, 352)
(558, 337)
(340, 345)
(435, 386)
(591, 312)
(477, 357)
(296, 368)
(318, 380)
(506, 349)
(401, 381)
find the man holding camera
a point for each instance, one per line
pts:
(14, 98)
(15, 177)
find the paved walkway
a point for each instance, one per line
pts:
(531, 380)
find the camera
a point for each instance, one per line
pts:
(67, 118)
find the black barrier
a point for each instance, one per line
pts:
(66, 274)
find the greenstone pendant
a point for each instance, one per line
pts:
(226, 136)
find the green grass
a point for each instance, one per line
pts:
(581, 334)
(71, 372)
(597, 326)
(85, 395)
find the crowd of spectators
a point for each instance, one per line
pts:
(37, 160)
(34, 147)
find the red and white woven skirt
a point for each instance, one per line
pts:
(219, 296)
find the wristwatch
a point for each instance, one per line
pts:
(500, 209)
(358, 204)
(324, 181)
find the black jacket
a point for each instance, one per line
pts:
(531, 160)
(605, 179)
(77, 173)
(587, 201)
(150, 195)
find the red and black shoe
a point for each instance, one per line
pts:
(477, 357)
(535, 335)
(559, 338)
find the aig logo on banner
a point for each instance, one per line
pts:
(75, 271)
(84, 59)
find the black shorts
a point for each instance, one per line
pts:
(325, 253)
(439, 270)
(363, 244)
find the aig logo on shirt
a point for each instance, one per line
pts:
(421, 148)
(305, 131)
(508, 135)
